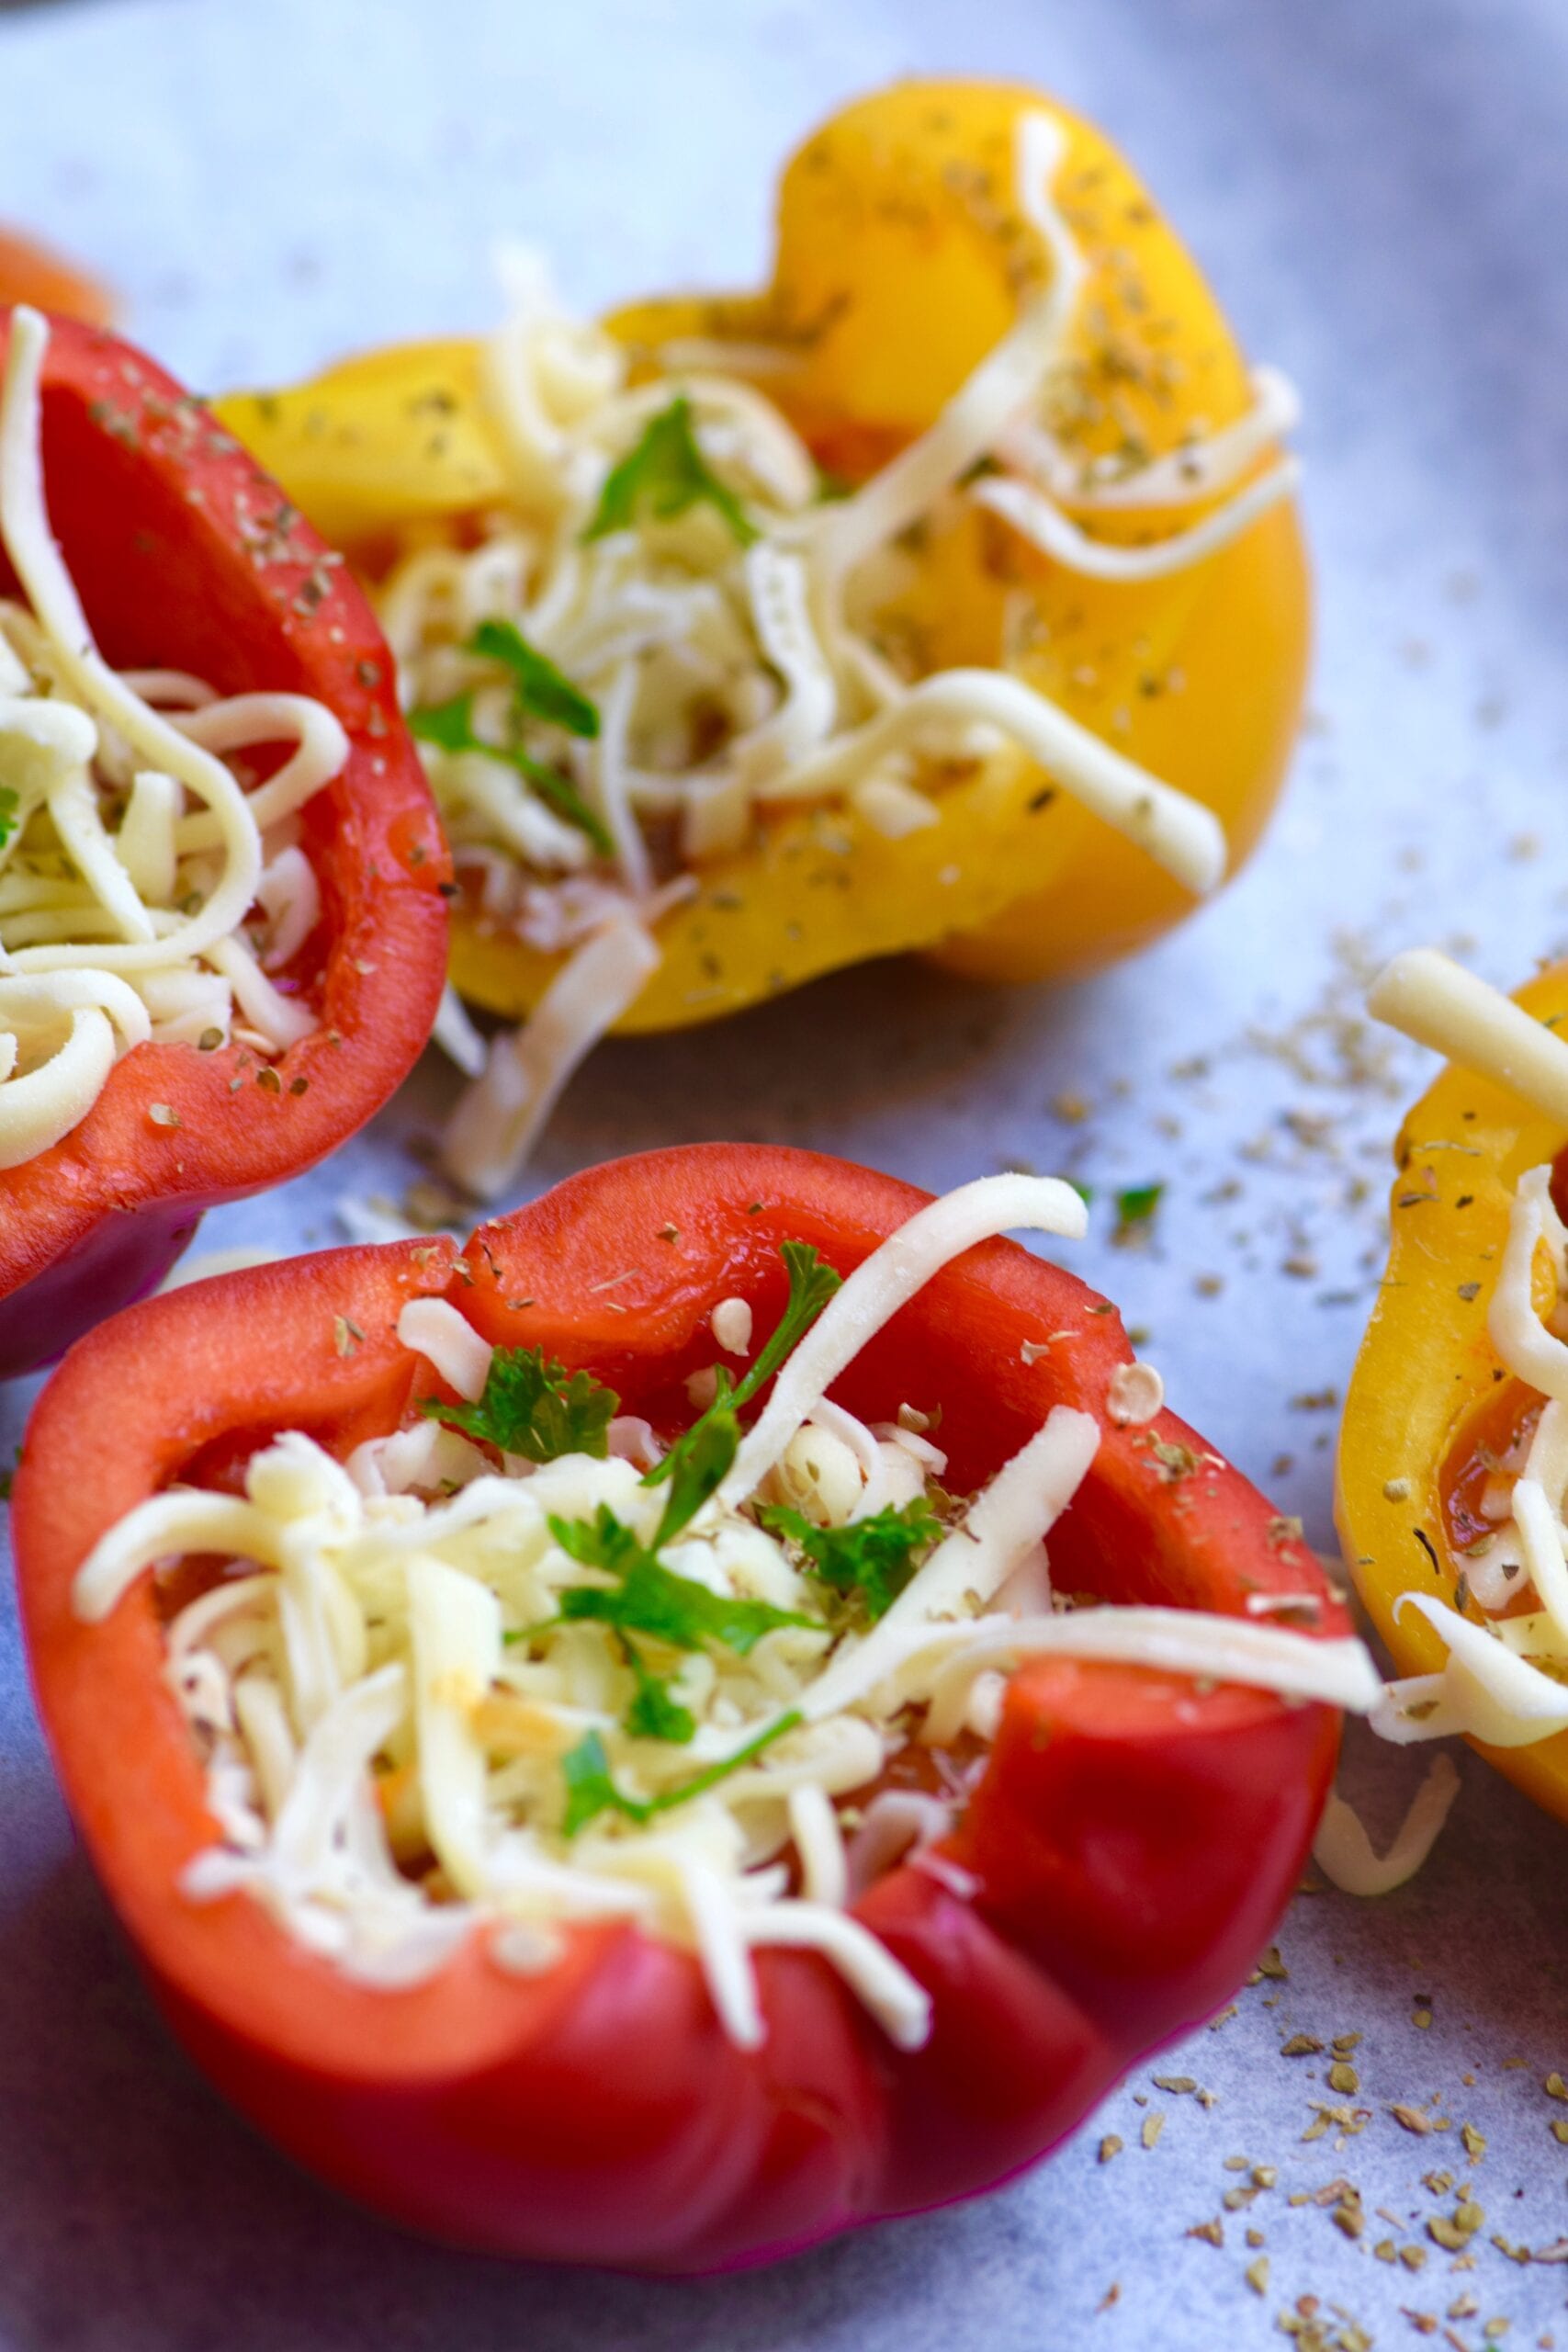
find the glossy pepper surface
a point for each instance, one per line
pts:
(1431, 1405)
(1123, 1858)
(187, 557)
(896, 273)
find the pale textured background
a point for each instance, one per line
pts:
(1379, 195)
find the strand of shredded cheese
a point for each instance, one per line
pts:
(495, 1123)
(734, 679)
(1197, 470)
(1496, 1685)
(1429, 997)
(1039, 520)
(1178, 832)
(1006, 381)
(41, 568)
(883, 1283)
(399, 1622)
(1344, 1852)
(102, 932)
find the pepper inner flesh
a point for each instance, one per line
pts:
(529, 1660)
(154, 889)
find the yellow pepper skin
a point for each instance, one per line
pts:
(1427, 1384)
(379, 443)
(901, 261)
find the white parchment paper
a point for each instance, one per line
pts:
(1379, 194)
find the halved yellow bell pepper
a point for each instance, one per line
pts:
(1431, 1399)
(901, 261)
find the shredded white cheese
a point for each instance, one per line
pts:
(741, 657)
(1197, 470)
(119, 935)
(455, 1034)
(432, 1329)
(1186, 838)
(1008, 380)
(1530, 1351)
(884, 1282)
(1486, 1691)
(408, 1674)
(493, 1128)
(1431, 997)
(1038, 519)
(1345, 1853)
(1504, 1678)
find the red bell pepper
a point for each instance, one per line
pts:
(187, 557)
(1124, 1857)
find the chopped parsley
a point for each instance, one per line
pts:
(872, 1559)
(698, 1460)
(8, 807)
(696, 1464)
(653, 1713)
(647, 1598)
(543, 691)
(539, 692)
(642, 1596)
(450, 726)
(591, 1787)
(533, 1407)
(1137, 1205)
(661, 477)
(812, 1283)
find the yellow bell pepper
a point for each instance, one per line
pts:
(901, 260)
(1430, 1403)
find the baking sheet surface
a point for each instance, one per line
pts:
(1379, 195)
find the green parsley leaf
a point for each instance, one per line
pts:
(8, 807)
(653, 1713)
(812, 1283)
(450, 726)
(689, 1464)
(602, 1542)
(542, 691)
(1137, 1205)
(696, 1464)
(591, 1785)
(648, 1598)
(872, 1558)
(662, 475)
(533, 1407)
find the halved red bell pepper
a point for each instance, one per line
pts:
(187, 557)
(1127, 1852)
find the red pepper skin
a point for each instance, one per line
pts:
(186, 557)
(1129, 1847)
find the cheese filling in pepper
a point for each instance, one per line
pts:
(519, 1663)
(676, 626)
(145, 894)
(1505, 1677)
